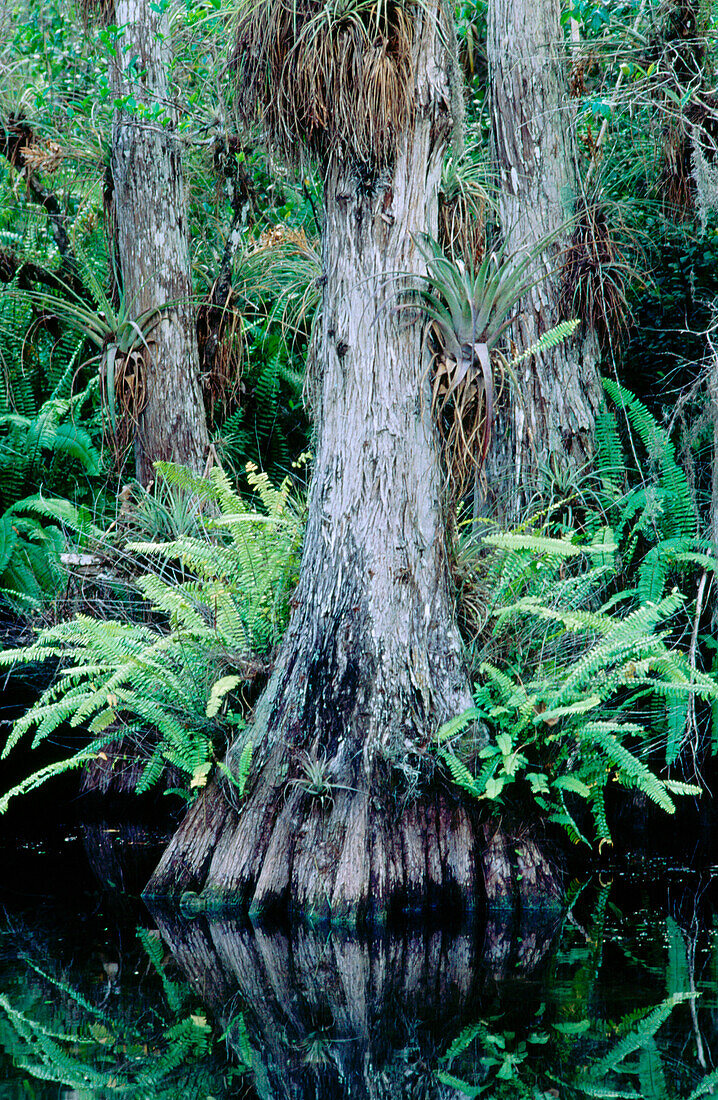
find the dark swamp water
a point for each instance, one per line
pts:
(101, 998)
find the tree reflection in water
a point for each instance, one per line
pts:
(622, 1000)
(320, 1014)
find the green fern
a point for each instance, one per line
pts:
(550, 339)
(678, 518)
(161, 689)
(559, 718)
(168, 1053)
(636, 1039)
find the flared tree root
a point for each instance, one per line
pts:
(346, 857)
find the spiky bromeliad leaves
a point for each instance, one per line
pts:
(563, 716)
(224, 602)
(470, 306)
(122, 340)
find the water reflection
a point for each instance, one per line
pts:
(621, 1000)
(325, 1015)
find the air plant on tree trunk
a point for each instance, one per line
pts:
(123, 342)
(340, 73)
(596, 272)
(469, 308)
(464, 203)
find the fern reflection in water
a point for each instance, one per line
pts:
(222, 601)
(93, 1038)
(623, 1004)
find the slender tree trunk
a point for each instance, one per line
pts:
(340, 819)
(549, 421)
(152, 236)
(712, 395)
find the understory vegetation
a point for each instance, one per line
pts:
(589, 625)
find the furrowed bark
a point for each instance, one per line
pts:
(341, 819)
(153, 245)
(549, 422)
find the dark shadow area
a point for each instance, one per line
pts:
(323, 1014)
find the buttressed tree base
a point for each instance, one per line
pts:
(342, 815)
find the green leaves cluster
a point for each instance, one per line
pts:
(58, 1032)
(594, 687)
(562, 724)
(33, 450)
(162, 690)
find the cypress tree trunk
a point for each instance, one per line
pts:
(163, 395)
(340, 819)
(549, 422)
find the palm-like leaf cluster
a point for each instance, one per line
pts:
(464, 206)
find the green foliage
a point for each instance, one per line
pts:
(562, 717)
(261, 427)
(585, 679)
(652, 508)
(222, 601)
(57, 1034)
(65, 297)
(40, 452)
(241, 575)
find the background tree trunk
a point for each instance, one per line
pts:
(550, 422)
(338, 820)
(152, 239)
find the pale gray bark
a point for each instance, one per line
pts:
(712, 394)
(152, 239)
(371, 663)
(551, 418)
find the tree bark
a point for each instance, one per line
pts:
(152, 239)
(341, 819)
(546, 422)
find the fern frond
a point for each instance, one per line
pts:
(550, 339)
(632, 771)
(152, 684)
(680, 517)
(32, 782)
(536, 544)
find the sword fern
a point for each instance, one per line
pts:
(221, 604)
